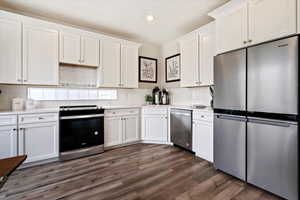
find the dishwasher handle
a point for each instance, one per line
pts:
(181, 114)
(271, 122)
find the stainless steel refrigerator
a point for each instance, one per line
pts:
(256, 115)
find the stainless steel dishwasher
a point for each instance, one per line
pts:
(181, 128)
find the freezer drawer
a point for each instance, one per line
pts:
(230, 81)
(272, 156)
(230, 144)
(273, 77)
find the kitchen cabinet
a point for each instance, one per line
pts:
(247, 22)
(113, 131)
(78, 49)
(121, 127)
(129, 66)
(189, 50)
(118, 65)
(8, 141)
(203, 135)
(110, 61)
(40, 55)
(11, 54)
(298, 16)
(232, 30)
(264, 25)
(39, 141)
(197, 57)
(155, 125)
(131, 129)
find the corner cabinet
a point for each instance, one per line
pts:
(40, 55)
(118, 64)
(79, 49)
(242, 23)
(121, 127)
(155, 125)
(197, 55)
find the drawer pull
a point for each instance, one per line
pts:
(41, 118)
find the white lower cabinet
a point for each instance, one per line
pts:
(38, 141)
(8, 141)
(121, 127)
(112, 131)
(203, 135)
(155, 125)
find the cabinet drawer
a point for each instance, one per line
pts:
(37, 118)
(8, 120)
(120, 112)
(155, 111)
(203, 116)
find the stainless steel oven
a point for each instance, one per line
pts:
(81, 131)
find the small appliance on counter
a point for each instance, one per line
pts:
(165, 97)
(156, 94)
(17, 104)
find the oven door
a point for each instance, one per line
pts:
(78, 132)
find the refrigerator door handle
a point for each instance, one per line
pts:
(234, 118)
(271, 122)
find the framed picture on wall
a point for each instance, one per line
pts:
(147, 70)
(173, 68)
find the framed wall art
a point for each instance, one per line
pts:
(147, 70)
(173, 68)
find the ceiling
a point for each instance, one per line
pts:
(125, 18)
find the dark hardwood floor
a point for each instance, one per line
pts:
(141, 171)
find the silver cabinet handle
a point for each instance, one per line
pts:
(250, 41)
(41, 118)
(245, 42)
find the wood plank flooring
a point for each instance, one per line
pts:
(136, 172)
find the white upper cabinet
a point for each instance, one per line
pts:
(79, 50)
(232, 29)
(89, 51)
(197, 57)
(129, 66)
(189, 61)
(207, 44)
(11, 54)
(271, 19)
(70, 48)
(110, 62)
(40, 55)
(241, 23)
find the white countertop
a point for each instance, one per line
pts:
(56, 109)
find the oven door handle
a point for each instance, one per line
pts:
(81, 116)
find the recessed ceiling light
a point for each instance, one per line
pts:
(149, 18)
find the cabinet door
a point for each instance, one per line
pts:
(232, 30)
(131, 129)
(8, 141)
(207, 45)
(271, 19)
(110, 64)
(155, 128)
(70, 48)
(40, 55)
(89, 51)
(11, 54)
(113, 131)
(203, 140)
(189, 61)
(129, 66)
(38, 141)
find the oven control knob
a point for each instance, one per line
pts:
(96, 133)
